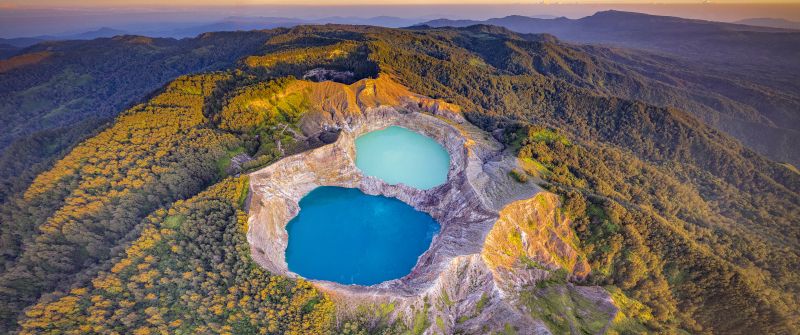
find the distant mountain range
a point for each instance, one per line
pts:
(236, 23)
(11, 46)
(771, 22)
(696, 39)
(738, 60)
(726, 45)
(233, 23)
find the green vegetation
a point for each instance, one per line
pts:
(420, 322)
(174, 221)
(564, 311)
(194, 276)
(373, 320)
(519, 176)
(225, 162)
(138, 230)
(266, 115)
(93, 198)
(659, 174)
(49, 107)
(481, 303)
(543, 135)
(534, 168)
(509, 330)
(631, 314)
(611, 233)
(446, 299)
(326, 54)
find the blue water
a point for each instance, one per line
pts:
(346, 236)
(398, 155)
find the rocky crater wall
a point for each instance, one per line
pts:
(278, 188)
(470, 276)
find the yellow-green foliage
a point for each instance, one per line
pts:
(154, 153)
(519, 176)
(632, 314)
(440, 323)
(420, 322)
(265, 105)
(634, 234)
(143, 145)
(539, 134)
(476, 61)
(302, 55)
(151, 135)
(533, 167)
(188, 277)
(563, 310)
(790, 167)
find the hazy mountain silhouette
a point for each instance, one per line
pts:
(10, 46)
(771, 22)
(717, 42)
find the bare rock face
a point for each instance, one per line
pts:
(469, 278)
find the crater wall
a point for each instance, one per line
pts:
(471, 273)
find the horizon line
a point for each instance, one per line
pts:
(11, 6)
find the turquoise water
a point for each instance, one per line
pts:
(398, 155)
(346, 236)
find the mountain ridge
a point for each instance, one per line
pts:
(771, 22)
(736, 76)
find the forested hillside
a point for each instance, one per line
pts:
(760, 197)
(59, 92)
(737, 78)
(717, 43)
(76, 214)
(140, 229)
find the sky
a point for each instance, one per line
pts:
(140, 3)
(24, 18)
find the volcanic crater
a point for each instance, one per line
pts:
(489, 221)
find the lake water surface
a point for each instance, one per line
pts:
(346, 236)
(398, 155)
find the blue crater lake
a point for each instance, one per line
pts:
(398, 155)
(346, 236)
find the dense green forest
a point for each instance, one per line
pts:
(140, 228)
(754, 103)
(75, 87)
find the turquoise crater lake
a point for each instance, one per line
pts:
(398, 155)
(346, 236)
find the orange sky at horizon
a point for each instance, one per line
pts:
(10, 4)
(187, 10)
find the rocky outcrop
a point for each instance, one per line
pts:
(469, 276)
(532, 231)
